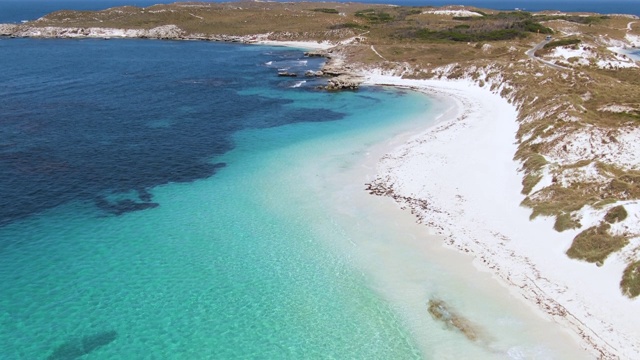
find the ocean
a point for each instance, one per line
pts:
(179, 200)
(137, 187)
(19, 10)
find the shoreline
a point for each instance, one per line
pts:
(408, 267)
(474, 202)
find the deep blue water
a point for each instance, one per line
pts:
(126, 116)
(18, 10)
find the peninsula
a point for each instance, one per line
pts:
(534, 169)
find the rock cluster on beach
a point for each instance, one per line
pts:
(343, 76)
(345, 81)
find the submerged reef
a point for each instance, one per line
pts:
(76, 348)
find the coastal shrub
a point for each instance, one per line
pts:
(562, 42)
(469, 36)
(595, 244)
(326, 10)
(534, 27)
(510, 16)
(402, 13)
(630, 283)
(616, 214)
(586, 20)
(483, 30)
(517, 20)
(349, 25)
(374, 16)
(564, 221)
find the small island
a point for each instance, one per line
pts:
(543, 118)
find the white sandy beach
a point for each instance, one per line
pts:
(309, 45)
(462, 169)
(460, 178)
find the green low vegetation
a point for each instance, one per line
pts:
(563, 42)
(469, 36)
(595, 244)
(349, 25)
(489, 27)
(326, 10)
(519, 20)
(587, 20)
(374, 16)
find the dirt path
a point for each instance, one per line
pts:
(531, 53)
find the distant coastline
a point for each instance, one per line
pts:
(15, 11)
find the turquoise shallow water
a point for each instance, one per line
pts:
(219, 270)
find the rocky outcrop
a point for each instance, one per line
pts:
(333, 68)
(165, 32)
(317, 53)
(344, 82)
(311, 73)
(168, 32)
(161, 32)
(8, 29)
(343, 76)
(286, 73)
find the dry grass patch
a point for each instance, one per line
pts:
(630, 284)
(529, 182)
(236, 19)
(595, 244)
(616, 214)
(565, 221)
(555, 199)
